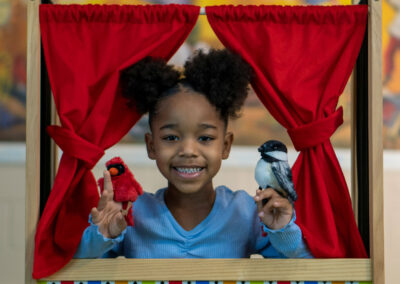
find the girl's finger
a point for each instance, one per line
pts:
(285, 204)
(278, 206)
(259, 195)
(262, 196)
(95, 215)
(258, 200)
(104, 198)
(126, 211)
(108, 186)
(117, 225)
(121, 223)
(268, 193)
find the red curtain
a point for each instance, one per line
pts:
(303, 57)
(85, 49)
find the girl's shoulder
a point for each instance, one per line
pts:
(151, 200)
(231, 198)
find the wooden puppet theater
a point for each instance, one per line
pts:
(302, 57)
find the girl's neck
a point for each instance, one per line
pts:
(176, 199)
(189, 210)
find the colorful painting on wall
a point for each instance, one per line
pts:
(255, 119)
(12, 70)
(391, 72)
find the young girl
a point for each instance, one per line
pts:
(189, 139)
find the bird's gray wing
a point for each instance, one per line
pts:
(283, 174)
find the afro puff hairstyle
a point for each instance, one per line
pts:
(221, 76)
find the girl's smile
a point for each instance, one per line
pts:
(188, 172)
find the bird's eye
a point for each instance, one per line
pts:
(121, 168)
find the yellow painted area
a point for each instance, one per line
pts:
(388, 13)
(387, 17)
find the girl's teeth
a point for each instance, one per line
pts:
(188, 170)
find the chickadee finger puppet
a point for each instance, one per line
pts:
(273, 170)
(126, 188)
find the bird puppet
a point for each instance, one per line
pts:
(273, 170)
(126, 188)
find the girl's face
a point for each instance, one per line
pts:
(188, 141)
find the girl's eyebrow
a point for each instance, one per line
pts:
(175, 125)
(169, 126)
(206, 126)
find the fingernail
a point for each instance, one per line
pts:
(261, 214)
(257, 198)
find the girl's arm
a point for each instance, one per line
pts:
(94, 245)
(278, 217)
(108, 225)
(287, 242)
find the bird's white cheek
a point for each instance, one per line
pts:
(261, 173)
(279, 155)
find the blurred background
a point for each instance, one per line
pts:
(251, 129)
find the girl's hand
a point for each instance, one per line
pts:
(278, 211)
(108, 214)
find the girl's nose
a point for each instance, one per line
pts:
(188, 148)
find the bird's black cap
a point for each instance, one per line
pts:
(272, 145)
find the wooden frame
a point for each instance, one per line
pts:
(375, 146)
(32, 136)
(216, 269)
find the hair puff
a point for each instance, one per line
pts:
(222, 76)
(145, 81)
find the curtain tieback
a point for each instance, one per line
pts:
(316, 132)
(75, 146)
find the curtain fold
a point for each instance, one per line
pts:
(85, 48)
(302, 58)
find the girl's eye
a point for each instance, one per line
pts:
(171, 138)
(205, 138)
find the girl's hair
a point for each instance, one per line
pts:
(221, 76)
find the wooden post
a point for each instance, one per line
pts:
(32, 136)
(375, 115)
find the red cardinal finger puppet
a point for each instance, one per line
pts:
(126, 188)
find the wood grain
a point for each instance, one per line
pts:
(32, 135)
(375, 123)
(216, 269)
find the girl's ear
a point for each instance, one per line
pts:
(148, 137)
(228, 140)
